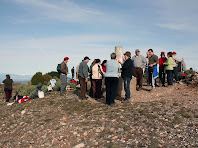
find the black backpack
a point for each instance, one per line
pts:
(58, 68)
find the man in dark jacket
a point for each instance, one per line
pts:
(8, 87)
(63, 76)
(83, 77)
(127, 69)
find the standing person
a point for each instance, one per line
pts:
(175, 65)
(111, 79)
(90, 76)
(126, 74)
(97, 75)
(72, 71)
(146, 68)
(8, 87)
(104, 65)
(63, 76)
(169, 68)
(83, 77)
(153, 61)
(161, 68)
(139, 62)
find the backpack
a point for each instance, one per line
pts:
(58, 68)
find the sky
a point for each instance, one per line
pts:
(35, 35)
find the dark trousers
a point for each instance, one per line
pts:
(138, 73)
(127, 87)
(111, 89)
(82, 87)
(96, 86)
(169, 77)
(176, 73)
(162, 75)
(8, 93)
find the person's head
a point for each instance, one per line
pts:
(113, 56)
(162, 54)
(94, 62)
(66, 59)
(104, 63)
(127, 55)
(147, 54)
(169, 54)
(174, 53)
(137, 52)
(97, 61)
(7, 76)
(150, 52)
(86, 59)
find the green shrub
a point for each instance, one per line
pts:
(37, 78)
(57, 86)
(54, 74)
(190, 71)
(44, 88)
(47, 78)
(72, 85)
(26, 90)
(1, 89)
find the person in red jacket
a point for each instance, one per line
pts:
(161, 68)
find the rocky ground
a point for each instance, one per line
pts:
(164, 117)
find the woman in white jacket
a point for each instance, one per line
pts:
(97, 75)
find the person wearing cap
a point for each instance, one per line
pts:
(161, 68)
(175, 65)
(153, 61)
(126, 74)
(63, 76)
(139, 63)
(111, 79)
(83, 77)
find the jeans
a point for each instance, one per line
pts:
(169, 77)
(127, 87)
(63, 79)
(111, 89)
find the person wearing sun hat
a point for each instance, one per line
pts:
(63, 76)
(161, 68)
(175, 65)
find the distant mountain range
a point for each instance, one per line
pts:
(17, 78)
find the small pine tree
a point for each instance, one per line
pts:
(37, 78)
(47, 78)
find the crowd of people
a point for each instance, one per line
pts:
(107, 74)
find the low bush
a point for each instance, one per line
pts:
(44, 88)
(26, 90)
(57, 86)
(37, 78)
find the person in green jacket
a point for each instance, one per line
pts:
(169, 68)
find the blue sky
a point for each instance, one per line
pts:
(35, 35)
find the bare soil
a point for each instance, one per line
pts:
(164, 117)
